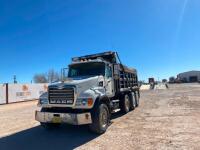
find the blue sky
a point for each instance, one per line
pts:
(158, 37)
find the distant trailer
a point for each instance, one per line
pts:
(151, 80)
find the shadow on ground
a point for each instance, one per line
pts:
(116, 115)
(37, 138)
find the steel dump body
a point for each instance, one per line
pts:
(125, 78)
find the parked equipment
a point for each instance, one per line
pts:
(152, 83)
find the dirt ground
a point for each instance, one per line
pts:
(165, 119)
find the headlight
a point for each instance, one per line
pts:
(84, 102)
(43, 101)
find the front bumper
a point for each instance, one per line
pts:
(69, 118)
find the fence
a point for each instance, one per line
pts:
(2, 93)
(10, 93)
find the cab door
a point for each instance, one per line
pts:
(109, 81)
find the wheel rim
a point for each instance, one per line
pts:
(127, 103)
(104, 118)
(137, 99)
(134, 102)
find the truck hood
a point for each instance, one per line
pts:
(81, 82)
(84, 85)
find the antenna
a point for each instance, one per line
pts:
(15, 79)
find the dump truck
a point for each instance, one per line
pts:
(152, 83)
(95, 87)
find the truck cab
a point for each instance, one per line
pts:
(96, 85)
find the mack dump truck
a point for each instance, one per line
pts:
(96, 86)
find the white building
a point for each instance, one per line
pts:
(190, 76)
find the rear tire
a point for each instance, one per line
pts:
(137, 99)
(133, 101)
(125, 104)
(100, 119)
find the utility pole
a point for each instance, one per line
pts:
(15, 79)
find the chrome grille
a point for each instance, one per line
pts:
(64, 95)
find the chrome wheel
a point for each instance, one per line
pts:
(127, 103)
(137, 99)
(100, 119)
(104, 118)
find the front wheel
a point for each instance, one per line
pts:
(100, 119)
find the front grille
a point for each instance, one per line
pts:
(64, 95)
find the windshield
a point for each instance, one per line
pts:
(87, 69)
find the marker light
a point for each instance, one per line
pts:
(90, 101)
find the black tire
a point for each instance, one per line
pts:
(100, 119)
(125, 104)
(137, 99)
(133, 101)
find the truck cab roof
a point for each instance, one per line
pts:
(109, 57)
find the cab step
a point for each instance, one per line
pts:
(115, 101)
(115, 110)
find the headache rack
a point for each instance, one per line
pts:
(107, 56)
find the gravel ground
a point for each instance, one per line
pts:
(165, 119)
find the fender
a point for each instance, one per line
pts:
(102, 99)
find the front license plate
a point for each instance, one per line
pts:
(56, 119)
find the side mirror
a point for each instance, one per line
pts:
(64, 73)
(116, 71)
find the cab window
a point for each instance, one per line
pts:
(108, 71)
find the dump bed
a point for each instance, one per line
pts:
(126, 78)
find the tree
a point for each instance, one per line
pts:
(40, 78)
(53, 76)
(49, 77)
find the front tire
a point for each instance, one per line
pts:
(100, 119)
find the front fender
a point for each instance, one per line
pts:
(102, 99)
(94, 93)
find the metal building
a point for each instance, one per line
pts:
(190, 76)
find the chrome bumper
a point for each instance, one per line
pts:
(74, 119)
